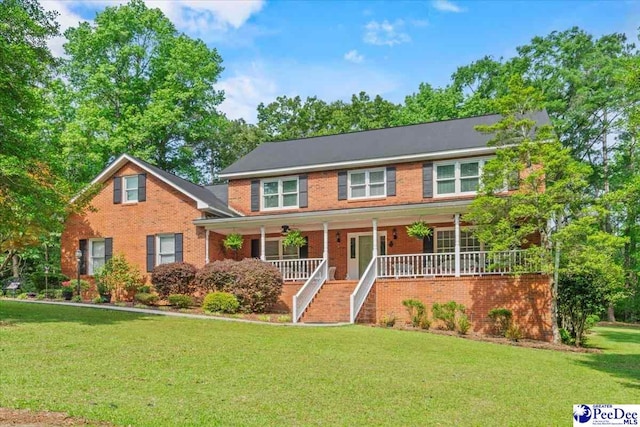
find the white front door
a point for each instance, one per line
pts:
(360, 251)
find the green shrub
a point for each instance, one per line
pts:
(40, 296)
(40, 281)
(57, 294)
(144, 289)
(180, 301)
(216, 276)
(173, 278)
(67, 292)
(514, 333)
(591, 321)
(145, 298)
(76, 298)
(22, 296)
(501, 319)
(566, 337)
(463, 324)
(388, 320)
(220, 302)
(447, 313)
(97, 300)
(118, 276)
(264, 318)
(416, 310)
(424, 322)
(285, 318)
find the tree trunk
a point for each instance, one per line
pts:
(554, 295)
(15, 265)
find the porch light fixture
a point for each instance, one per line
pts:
(285, 229)
(78, 258)
(338, 236)
(394, 233)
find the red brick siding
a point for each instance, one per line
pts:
(166, 210)
(528, 296)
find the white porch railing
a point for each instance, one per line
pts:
(296, 269)
(303, 298)
(361, 291)
(443, 264)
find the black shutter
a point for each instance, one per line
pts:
(427, 180)
(304, 249)
(178, 247)
(151, 253)
(108, 249)
(391, 181)
(82, 245)
(255, 195)
(117, 189)
(255, 248)
(142, 187)
(343, 192)
(427, 243)
(303, 197)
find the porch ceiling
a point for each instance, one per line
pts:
(337, 219)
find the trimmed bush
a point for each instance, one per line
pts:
(180, 301)
(145, 298)
(447, 313)
(220, 302)
(173, 278)
(216, 276)
(463, 324)
(501, 318)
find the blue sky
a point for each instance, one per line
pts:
(334, 49)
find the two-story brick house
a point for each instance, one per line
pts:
(352, 196)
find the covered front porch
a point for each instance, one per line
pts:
(361, 246)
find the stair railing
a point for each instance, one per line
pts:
(303, 298)
(361, 291)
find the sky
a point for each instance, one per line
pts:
(333, 49)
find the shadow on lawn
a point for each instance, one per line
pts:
(622, 365)
(14, 313)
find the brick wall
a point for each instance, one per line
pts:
(527, 296)
(323, 192)
(166, 210)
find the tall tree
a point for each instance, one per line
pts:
(32, 194)
(138, 86)
(431, 104)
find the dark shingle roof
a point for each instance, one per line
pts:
(196, 190)
(221, 191)
(417, 139)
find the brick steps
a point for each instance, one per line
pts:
(331, 303)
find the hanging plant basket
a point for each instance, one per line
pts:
(418, 230)
(294, 238)
(233, 241)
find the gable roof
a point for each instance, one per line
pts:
(402, 143)
(205, 199)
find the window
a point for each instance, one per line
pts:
(446, 241)
(461, 177)
(130, 194)
(280, 193)
(166, 249)
(275, 250)
(97, 255)
(367, 183)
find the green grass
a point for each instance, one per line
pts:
(154, 370)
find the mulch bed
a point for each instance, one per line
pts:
(28, 418)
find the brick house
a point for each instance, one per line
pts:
(351, 196)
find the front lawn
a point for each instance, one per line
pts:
(154, 370)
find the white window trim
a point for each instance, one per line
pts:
(457, 176)
(435, 237)
(367, 183)
(280, 249)
(280, 194)
(158, 253)
(124, 189)
(89, 256)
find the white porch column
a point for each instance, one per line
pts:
(206, 246)
(325, 252)
(263, 257)
(456, 221)
(375, 237)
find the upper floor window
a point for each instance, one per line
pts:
(280, 193)
(130, 193)
(166, 249)
(97, 255)
(458, 177)
(367, 183)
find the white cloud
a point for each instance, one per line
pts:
(447, 6)
(244, 91)
(354, 56)
(385, 33)
(66, 18)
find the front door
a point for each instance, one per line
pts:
(360, 251)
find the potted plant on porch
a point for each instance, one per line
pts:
(419, 230)
(233, 242)
(294, 238)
